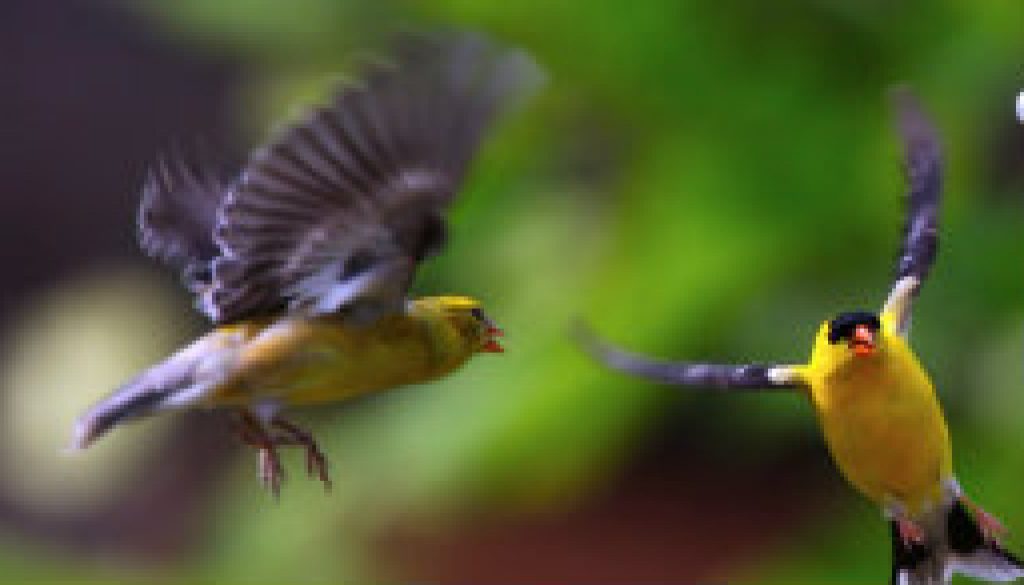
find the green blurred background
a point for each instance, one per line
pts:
(698, 179)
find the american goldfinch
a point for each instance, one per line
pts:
(876, 405)
(304, 260)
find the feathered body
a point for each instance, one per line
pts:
(304, 261)
(307, 361)
(299, 361)
(876, 405)
(881, 420)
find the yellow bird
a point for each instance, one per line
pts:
(875, 403)
(304, 261)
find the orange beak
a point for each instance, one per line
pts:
(492, 345)
(863, 342)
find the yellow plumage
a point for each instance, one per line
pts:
(304, 260)
(263, 365)
(876, 405)
(881, 419)
(304, 360)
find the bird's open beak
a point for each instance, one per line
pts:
(863, 342)
(492, 345)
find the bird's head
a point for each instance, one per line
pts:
(857, 331)
(470, 321)
(852, 337)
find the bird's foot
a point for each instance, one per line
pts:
(991, 528)
(251, 432)
(255, 434)
(271, 470)
(316, 462)
(910, 533)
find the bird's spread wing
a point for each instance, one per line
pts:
(697, 375)
(337, 210)
(176, 218)
(923, 168)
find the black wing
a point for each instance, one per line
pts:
(176, 218)
(923, 168)
(336, 211)
(698, 375)
(922, 162)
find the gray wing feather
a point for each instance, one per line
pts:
(356, 192)
(923, 167)
(176, 217)
(690, 374)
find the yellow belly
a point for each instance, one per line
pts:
(885, 429)
(320, 360)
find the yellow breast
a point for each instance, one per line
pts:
(883, 424)
(308, 360)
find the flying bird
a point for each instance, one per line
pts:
(303, 261)
(875, 403)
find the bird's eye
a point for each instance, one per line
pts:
(478, 314)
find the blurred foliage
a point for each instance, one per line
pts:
(701, 179)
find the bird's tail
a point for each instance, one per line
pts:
(171, 384)
(953, 544)
(135, 399)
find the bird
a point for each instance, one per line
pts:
(303, 261)
(875, 403)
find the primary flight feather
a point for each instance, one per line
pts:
(303, 262)
(875, 403)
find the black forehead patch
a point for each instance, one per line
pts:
(842, 326)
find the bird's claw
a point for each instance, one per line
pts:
(316, 462)
(910, 533)
(271, 471)
(251, 432)
(316, 465)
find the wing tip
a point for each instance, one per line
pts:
(587, 339)
(913, 122)
(84, 434)
(618, 359)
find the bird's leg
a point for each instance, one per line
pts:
(910, 532)
(991, 528)
(251, 432)
(316, 463)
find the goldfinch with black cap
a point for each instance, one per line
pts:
(876, 405)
